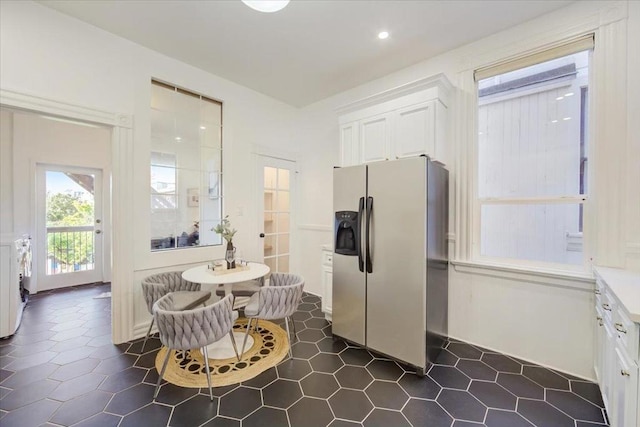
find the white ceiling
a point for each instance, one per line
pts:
(310, 50)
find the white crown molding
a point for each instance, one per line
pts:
(439, 80)
(29, 102)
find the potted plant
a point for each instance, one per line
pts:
(225, 230)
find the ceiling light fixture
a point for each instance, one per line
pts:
(203, 127)
(266, 6)
(383, 35)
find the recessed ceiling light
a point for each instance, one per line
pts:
(383, 35)
(267, 6)
(203, 127)
(560, 98)
(178, 138)
(568, 94)
(554, 121)
(566, 118)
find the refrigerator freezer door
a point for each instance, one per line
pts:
(349, 287)
(396, 287)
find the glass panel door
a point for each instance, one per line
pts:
(277, 191)
(70, 218)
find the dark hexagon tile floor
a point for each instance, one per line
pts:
(60, 370)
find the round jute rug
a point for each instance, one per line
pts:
(187, 369)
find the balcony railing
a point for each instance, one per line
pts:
(70, 249)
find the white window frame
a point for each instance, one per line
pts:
(522, 61)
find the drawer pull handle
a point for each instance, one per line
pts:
(597, 292)
(606, 307)
(624, 373)
(620, 328)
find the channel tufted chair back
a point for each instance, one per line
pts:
(186, 294)
(199, 327)
(158, 285)
(195, 328)
(279, 300)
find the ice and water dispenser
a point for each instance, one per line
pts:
(346, 233)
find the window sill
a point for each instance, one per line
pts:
(542, 276)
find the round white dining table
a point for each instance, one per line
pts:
(203, 274)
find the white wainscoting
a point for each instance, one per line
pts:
(546, 320)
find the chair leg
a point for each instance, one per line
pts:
(164, 368)
(286, 323)
(293, 323)
(147, 336)
(206, 365)
(246, 335)
(233, 342)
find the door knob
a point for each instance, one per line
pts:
(261, 235)
(98, 231)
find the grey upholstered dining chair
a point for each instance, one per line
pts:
(186, 294)
(195, 328)
(243, 289)
(279, 300)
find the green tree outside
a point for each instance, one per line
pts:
(66, 210)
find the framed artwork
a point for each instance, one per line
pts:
(193, 197)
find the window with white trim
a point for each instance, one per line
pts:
(532, 158)
(185, 168)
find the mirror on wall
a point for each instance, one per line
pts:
(185, 168)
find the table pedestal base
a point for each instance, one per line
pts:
(223, 349)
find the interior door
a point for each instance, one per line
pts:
(277, 184)
(69, 244)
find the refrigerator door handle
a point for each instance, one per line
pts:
(368, 234)
(359, 235)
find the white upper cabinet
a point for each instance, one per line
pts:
(415, 130)
(375, 136)
(407, 121)
(349, 146)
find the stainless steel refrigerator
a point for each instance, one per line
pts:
(390, 264)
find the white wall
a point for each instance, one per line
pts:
(632, 196)
(538, 318)
(51, 55)
(6, 173)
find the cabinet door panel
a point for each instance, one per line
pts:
(327, 284)
(623, 410)
(349, 144)
(608, 365)
(415, 133)
(600, 345)
(375, 137)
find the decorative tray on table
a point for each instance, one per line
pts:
(224, 270)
